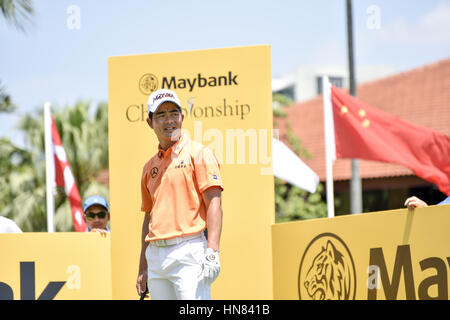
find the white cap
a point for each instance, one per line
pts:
(160, 96)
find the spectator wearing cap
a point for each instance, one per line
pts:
(96, 214)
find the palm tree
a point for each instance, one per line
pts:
(17, 12)
(86, 139)
(6, 104)
(22, 182)
(20, 187)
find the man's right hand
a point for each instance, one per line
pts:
(414, 202)
(141, 284)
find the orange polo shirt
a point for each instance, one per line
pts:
(172, 185)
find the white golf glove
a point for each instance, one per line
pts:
(211, 266)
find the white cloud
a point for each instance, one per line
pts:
(433, 28)
(436, 24)
(329, 52)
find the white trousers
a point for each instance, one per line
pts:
(176, 272)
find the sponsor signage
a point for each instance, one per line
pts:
(327, 270)
(383, 255)
(214, 108)
(373, 256)
(226, 100)
(55, 266)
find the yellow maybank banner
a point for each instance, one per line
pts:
(382, 255)
(59, 266)
(227, 103)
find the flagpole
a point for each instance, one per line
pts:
(330, 148)
(49, 168)
(355, 182)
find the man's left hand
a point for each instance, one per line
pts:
(211, 267)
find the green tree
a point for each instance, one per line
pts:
(280, 101)
(6, 104)
(22, 187)
(291, 202)
(17, 12)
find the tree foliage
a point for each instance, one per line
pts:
(292, 203)
(84, 136)
(17, 12)
(6, 104)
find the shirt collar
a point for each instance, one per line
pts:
(176, 148)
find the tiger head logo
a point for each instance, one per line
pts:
(327, 271)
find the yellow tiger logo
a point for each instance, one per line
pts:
(329, 276)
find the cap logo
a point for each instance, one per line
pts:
(163, 95)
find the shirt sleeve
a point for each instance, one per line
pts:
(445, 201)
(147, 203)
(207, 170)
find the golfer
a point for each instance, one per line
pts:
(181, 191)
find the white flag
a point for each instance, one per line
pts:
(290, 168)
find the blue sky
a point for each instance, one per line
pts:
(62, 65)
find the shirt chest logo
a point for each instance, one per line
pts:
(180, 165)
(154, 172)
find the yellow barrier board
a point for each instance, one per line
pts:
(381, 255)
(227, 103)
(59, 266)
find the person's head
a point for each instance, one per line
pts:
(96, 212)
(165, 116)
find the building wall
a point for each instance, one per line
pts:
(304, 80)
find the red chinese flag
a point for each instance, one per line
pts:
(365, 132)
(64, 178)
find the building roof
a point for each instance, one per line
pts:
(420, 96)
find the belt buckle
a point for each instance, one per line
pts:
(160, 243)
